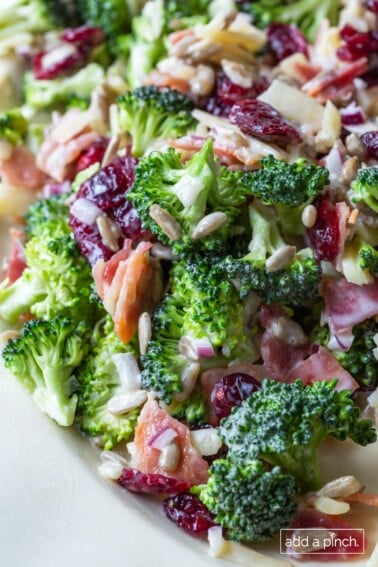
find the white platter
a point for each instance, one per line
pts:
(55, 511)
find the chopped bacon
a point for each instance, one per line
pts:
(347, 304)
(160, 79)
(191, 466)
(55, 158)
(129, 284)
(365, 498)
(322, 365)
(21, 170)
(333, 84)
(16, 262)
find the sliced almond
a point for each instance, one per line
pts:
(340, 487)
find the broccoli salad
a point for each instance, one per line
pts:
(191, 191)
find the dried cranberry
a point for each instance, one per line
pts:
(357, 44)
(372, 5)
(92, 154)
(107, 187)
(370, 141)
(324, 236)
(84, 37)
(89, 241)
(187, 512)
(229, 92)
(136, 481)
(230, 391)
(259, 119)
(59, 67)
(284, 40)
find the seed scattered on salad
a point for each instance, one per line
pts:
(193, 280)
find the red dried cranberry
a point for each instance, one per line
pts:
(108, 186)
(59, 67)
(370, 141)
(89, 241)
(324, 236)
(92, 154)
(357, 44)
(187, 512)
(372, 5)
(229, 92)
(259, 119)
(129, 222)
(284, 40)
(84, 37)
(136, 481)
(230, 391)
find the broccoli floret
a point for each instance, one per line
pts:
(284, 425)
(44, 358)
(306, 14)
(45, 213)
(188, 192)
(294, 284)
(365, 187)
(57, 279)
(40, 93)
(13, 126)
(198, 290)
(149, 114)
(98, 382)
(289, 184)
(192, 410)
(359, 359)
(369, 258)
(251, 502)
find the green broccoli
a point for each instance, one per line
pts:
(57, 279)
(305, 14)
(198, 290)
(47, 94)
(369, 258)
(365, 187)
(98, 382)
(149, 114)
(277, 182)
(13, 126)
(45, 213)
(188, 192)
(294, 284)
(284, 425)
(359, 359)
(44, 358)
(249, 501)
(191, 410)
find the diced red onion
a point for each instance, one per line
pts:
(334, 163)
(50, 189)
(343, 342)
(204, 347)
(352, 115)
(162, 438)
(85, 211)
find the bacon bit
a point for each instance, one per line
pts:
(366, 498)
(124, 283)
(160, 79)
(16, 261)
(21, 170)
(353, 216)
(328, 84)
(177, 36)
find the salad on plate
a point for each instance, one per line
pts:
(191, 191)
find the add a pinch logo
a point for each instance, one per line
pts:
(322, 541)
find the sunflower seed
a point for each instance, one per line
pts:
(144, 331)
(119, 405)
(161, 252)
(317, 540)
(340, 487)
(309, 216)
(330, 506)
(281, 258)
(111, 151)
(167, 223)
(209, 224)
(109, 231)
(288, 331)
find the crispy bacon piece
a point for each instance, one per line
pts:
(21, 170)
(129, 284)
(16, 262)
